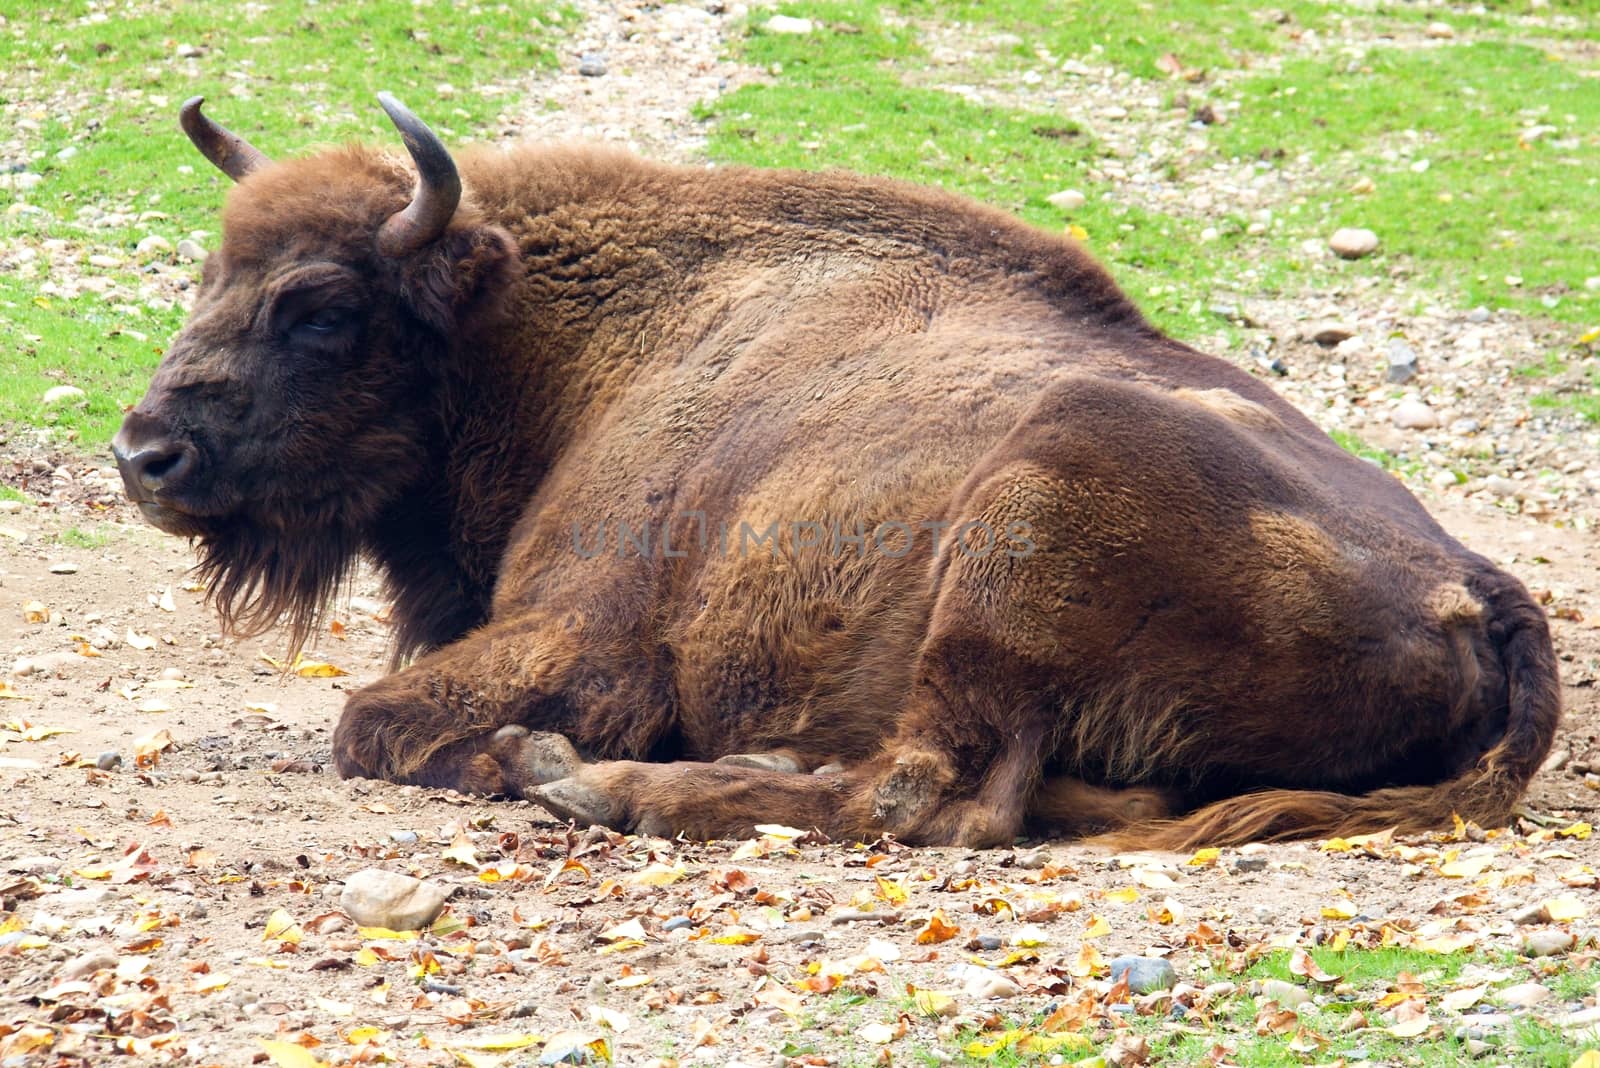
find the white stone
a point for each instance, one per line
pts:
(154, 245)
(62, 395)
(789, 24)
(1413, 415)
(378, 898)
(1067, 200)
(1352, 243)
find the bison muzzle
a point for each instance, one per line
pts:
(689, 484)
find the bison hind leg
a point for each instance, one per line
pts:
(1071, 808)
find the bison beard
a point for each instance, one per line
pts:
(1226, 628)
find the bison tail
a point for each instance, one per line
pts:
(1485, 793)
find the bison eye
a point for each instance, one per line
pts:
(324, 321)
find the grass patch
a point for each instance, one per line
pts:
(99, 99)
(1584, 401)
(78, 538)
(1496, 218)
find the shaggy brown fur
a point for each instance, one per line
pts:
(1214, 618)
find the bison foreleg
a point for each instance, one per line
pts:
(475, 716)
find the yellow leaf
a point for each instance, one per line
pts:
(628, 982)
(383, 934)
(1123, 896)
(1337, 845)
(1151, 879)
(1204, 858)
(659, 875)
(1411, 1028)
(1078, 233)
(937, 929)
(1589, 336)
(892, 892)
(502, 1042)
(360, 1036)
(290, 1055)
(1004, 1041)
(1097, 927)
(473, 1060)
(933, 1003)
(1564, 908)
(1464, 999)
(629, 929)
(317, 669)
(1579, 831)
(1089, 963)
(1339, 911)
(282, 928)
(1465, 867)
(736, 936)
(462, 851)
(1590, 1059)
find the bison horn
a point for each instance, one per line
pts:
(232, 154)
(438, 185)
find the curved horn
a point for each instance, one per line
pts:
(438, 185)
(232, 154)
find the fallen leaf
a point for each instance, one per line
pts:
(318, 669)
(933, 1003)
(1302, 964)
(659, 875)
(1096, 927)
(937, 929)
(1463, 999)
(142, 642)
(290, 1054)
(1412, 1028)
(1564, 908)
(282, 928)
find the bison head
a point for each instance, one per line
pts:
(299, 408)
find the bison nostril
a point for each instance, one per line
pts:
(157, 466)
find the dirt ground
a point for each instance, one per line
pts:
(173, 844)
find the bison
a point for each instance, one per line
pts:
(709, 498)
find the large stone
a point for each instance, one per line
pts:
(62, 395)
(1067, 200)
(1144, 974)
(378, 898)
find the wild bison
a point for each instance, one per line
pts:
(688, 483)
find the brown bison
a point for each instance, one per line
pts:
(691, 483)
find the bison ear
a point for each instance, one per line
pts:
(458, 274)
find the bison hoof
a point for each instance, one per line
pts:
(533, 758)
(781, 762)
(568, 799)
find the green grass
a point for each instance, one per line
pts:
(78, 538)
(1487, 212)
(285, 76)
(1583, 400)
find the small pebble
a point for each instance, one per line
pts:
(405, 838)
(1351, 243)
(788, 24)
(189, 251)
(1549, 942)
(677, 923)
(986, 984)
(1480, 314)
(1523, 995)
(989, 941)
(1289, 995)
(1248, 864)
(1331, 333)
(62, 395)
(1402, 361)
(1413, 415)
(109, 760)
(154, 245)
(1067, 200)
(592, 65)
(63, 568)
